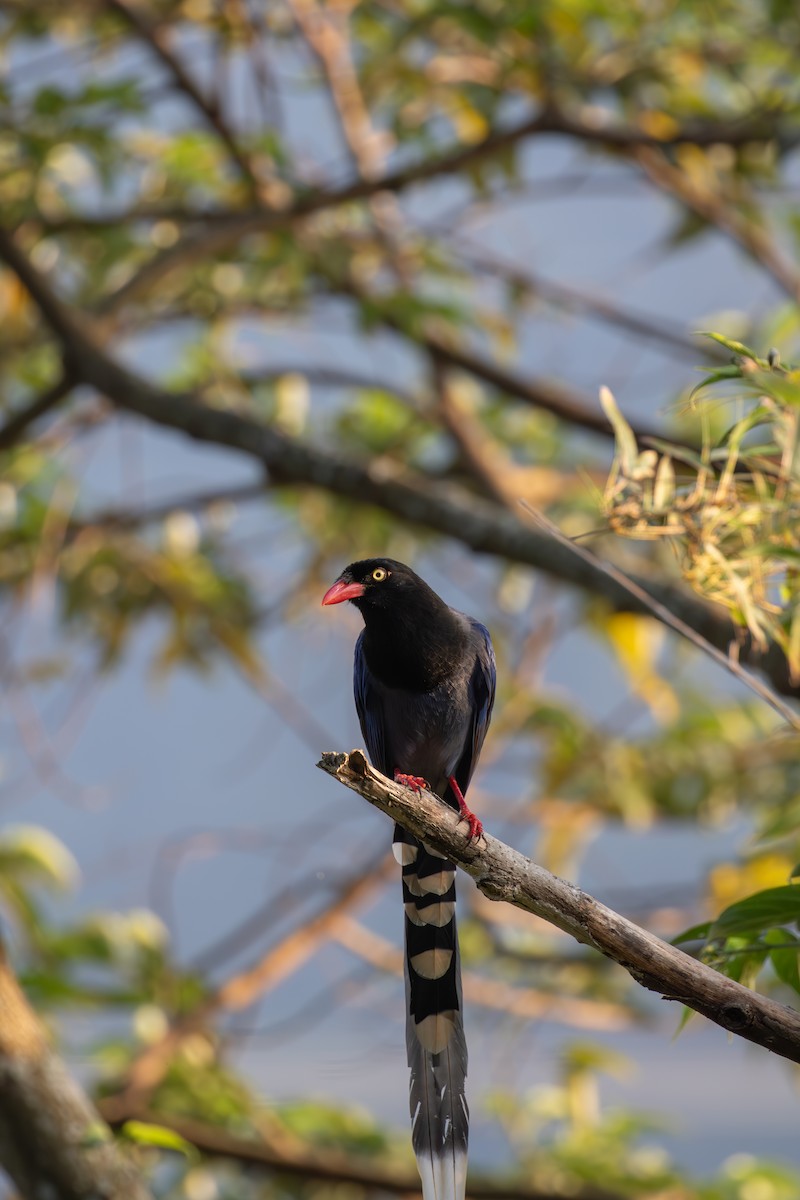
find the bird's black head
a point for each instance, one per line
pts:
(380, 584)
(412, 638)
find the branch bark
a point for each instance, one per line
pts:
(504, 874)
(52, 1141)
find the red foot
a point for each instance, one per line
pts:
(475, 825)
(414, 782)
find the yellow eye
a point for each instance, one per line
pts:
(379, 574)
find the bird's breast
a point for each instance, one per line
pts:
(427, 732)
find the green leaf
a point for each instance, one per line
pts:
(784, 957)
(730, 344)
(783, 388)
(145, 1134)
(774, 906)
(731, 372)
(695, 934)
(686, 1016)
(679, 453)
(743, 959)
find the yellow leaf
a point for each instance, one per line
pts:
(658, 124)
(730, 882)
(637, 641)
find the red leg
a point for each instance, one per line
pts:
(412, 781)
(475, 825)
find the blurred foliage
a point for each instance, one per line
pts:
(119, 185)
(734, 522)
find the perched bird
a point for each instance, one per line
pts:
(424, 681)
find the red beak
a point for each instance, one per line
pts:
(342, 591)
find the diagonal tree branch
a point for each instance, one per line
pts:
(664, 334)
(551, 396)
(504, 874)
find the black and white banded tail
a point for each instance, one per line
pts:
(424, 683)
(435, 1041)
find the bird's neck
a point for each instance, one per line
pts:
(415, 650)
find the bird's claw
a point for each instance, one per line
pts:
(415, 782)
(475, 825)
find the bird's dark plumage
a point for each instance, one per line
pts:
(424, 681)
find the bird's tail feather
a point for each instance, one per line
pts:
(437, 1048)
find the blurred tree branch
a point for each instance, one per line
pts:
(530, 1004)
(502, 873)
(713, 206)
(52, 1141)
(156, 37)
(333, 1168)
(291, 461)
(240, 990)
(21, 420)
(227, 230)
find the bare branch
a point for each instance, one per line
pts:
(663, 333)
(563, 402)
(670, 620)
(486, 460)
(134, 518)
(325, 32)
(504, 874)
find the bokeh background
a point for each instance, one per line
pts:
(410, 241)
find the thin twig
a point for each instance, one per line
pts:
(668, 618)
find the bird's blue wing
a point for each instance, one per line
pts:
(369, 707)
(481, 695)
